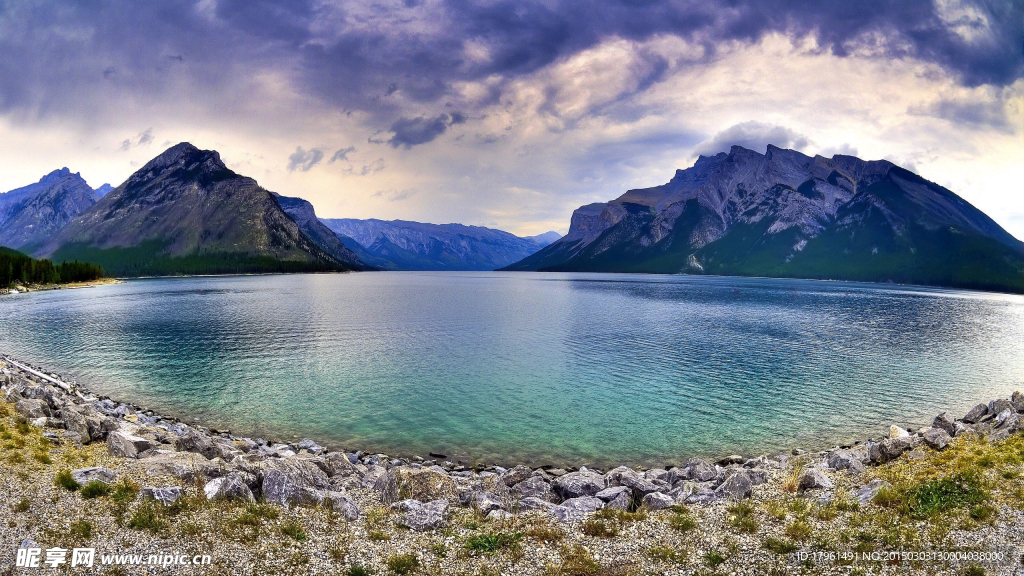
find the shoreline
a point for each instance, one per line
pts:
(20, 289)
(199, 488)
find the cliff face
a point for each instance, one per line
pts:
(30, 215)
(786, 214)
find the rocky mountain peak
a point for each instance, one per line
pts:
(185, 160)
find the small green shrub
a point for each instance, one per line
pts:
(93, 489)
(357, 570)
(600, 528)
(742, 517)
(682, 521)
(294, 530)
(379, 536)
(23, 505)
(944, 494)
(64, 480)
(714, 558)
(146, 517)
(798, 530)
(124, 491)
(403, 563)
(81, 529)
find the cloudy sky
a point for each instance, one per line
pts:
(511, 113)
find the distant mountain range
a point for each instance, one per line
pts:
(784, 214)
(186, 212)
(404, 245)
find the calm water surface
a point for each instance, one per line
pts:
(544, 368)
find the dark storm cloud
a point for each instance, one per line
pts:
(412, 131)
(74, 57)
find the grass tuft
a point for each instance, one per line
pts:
(93, 489)
(64, 480)
(492, 542)
(294, 530)
(403, 563)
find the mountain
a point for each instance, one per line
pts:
(784, 214)
(302, 212)
(103, 190)
(404, 245)
(185, 212)
(544, 239)
(30, 215)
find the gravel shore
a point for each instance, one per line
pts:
(79, 471)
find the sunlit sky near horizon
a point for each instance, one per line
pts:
(511, 113)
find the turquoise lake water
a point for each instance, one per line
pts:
(543, 368)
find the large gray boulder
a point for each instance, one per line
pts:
(945, 421)
(975, 414)
(700, 470)
(421, 484)
(420, 516)
(166, 495)
(516, 475)
(815, 479)
(485, 502)
(576, 509)
(292, 481)
(534, 487)
(658, 501)
(185, 466)
(623, 476)
(865, 494)
(613, 492)
(844, 460)
(997, 406)
(342, 503)
(230, 487)
(86, 475)
(339, 464)
(889, 449)
(737, 486)
(937, 438)
(125, 445)
(1017, 400)
(202, 444)
(32, 408)
(577, 484)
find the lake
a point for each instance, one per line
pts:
(540, 368)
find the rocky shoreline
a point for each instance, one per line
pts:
(423, 495)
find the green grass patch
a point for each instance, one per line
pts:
(147, 517)
(81, 529)
(779, 546)
(66, 481)
(600, 528)
(492, 542)
(94, 489)
(667, 554)
(742, 516)
(945, 494)
(403, 563)
(294, 530)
